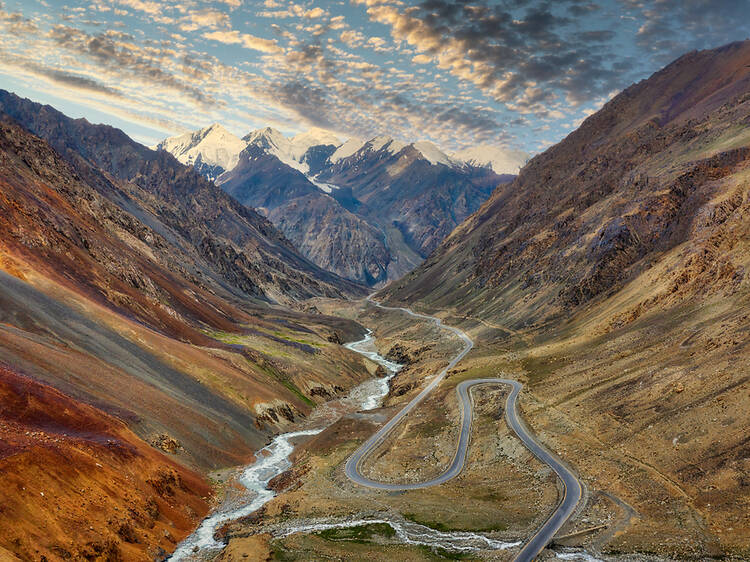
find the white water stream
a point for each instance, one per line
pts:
(407, 532)
(273, 459)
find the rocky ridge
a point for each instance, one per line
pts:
(366, 210)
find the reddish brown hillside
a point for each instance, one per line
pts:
(77, 484)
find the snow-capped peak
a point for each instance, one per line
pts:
(391, 145)
(269, 139)
(377, 144)
(433, 154)
(302, 142)
(212, 146)
(290, 151)
(500, 160)
(347, 149)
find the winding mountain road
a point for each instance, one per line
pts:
(572, 490)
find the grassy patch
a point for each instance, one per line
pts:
(287, 337)
(443, 528)
(278, 552)
(437, 525)
(360, 533)
(239, 339)
(539, 368)
(430, 428)
(225, 337)
(285, 381)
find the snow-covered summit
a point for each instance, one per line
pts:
(433, 154)
(302, 142)
(210, 146)
(213, 150)
(425, 149)
(269, 139)
(377, 144)
(500, 160)
(347, 149)
(291, 151)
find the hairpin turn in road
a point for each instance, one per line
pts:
(572, 489)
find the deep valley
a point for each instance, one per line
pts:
(310, 347)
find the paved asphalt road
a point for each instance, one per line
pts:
(571, 485)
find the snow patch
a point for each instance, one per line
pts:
(275, 143)
(347, 149)
(303, 142)
(500, 160)
(391, 145)
(377, 144)
(291, 151)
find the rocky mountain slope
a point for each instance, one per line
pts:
(415, 193)
(136, 291)
(64, 463)
(327, 233)
(240, 245)
(611, 276)
(593, 211)
(338, 202)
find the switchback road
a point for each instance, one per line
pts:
(571, 486)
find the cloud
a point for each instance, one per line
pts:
(61, 77)
(293, 11)
(248, 41)
(149, 7)
(352, 38)
(454, 72)
(505, 55)
(669, 28)
(110, 51)
(204, 18)
(16, 23)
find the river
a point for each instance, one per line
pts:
(273, 459)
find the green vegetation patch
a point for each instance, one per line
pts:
(285, 381)
(360, 533)
(443, 528)
(431, 428)
(291, 338)
(239, 339)
(437, 525)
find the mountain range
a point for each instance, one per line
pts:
(366, 210)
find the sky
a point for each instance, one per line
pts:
(515, 74)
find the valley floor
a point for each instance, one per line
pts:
(643, 496)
